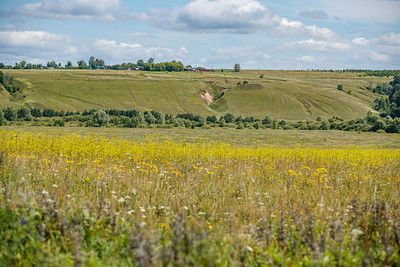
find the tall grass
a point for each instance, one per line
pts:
(73, 200)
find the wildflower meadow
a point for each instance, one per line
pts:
(72, 200)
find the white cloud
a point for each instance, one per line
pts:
(125, 51)
(389, 39)
(31, 42)
(379, 57)
(361, 41)
(234, 16)
(100, 10)
(389, 44)
(320, 45)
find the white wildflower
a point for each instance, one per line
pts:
(356, 232)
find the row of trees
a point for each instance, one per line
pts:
(136, 118)
(95, 63)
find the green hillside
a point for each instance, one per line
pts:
(288, 95)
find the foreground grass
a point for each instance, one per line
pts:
(69, 200)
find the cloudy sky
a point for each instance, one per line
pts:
(258, 34)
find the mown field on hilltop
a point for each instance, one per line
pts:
(291, 95)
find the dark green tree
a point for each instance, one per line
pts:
(140, 62)
(82, 64)
(24, 113)
(237, 67)
(149, 117)
(10, 114)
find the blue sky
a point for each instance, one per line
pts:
(258, 34)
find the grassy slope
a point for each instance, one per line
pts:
(4, 99)
(281, 94)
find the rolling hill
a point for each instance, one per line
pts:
(291, 95)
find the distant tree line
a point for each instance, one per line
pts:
(142, 119)
(95, 63)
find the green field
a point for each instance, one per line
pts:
(291, 95)
(244, 137)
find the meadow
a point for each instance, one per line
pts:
(83, 196)
(289, 95)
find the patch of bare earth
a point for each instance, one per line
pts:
(3, 91)
(207, 97)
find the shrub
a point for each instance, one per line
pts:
(36, 112)
(10, 114)
(149, 118)
(90, 123)
(100, 118)
(340, 87)
(324, 125)
(212, 118)
(48, 113)
(222, 122)
(240, 126)
(23, 113)
(59, 122)
(132, 123)
(266, 120)
(2, 122)
(394, 126)
(378, 125)
(229, 117)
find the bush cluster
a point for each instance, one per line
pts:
(10, 83)
(139, 119)
(389, 103)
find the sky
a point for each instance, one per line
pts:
(257, 34)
